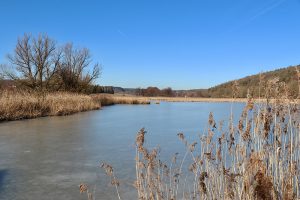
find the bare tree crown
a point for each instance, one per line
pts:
(38, 63)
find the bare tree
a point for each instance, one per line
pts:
(73, 69)
(39, 64)
(168, 92)
(33, 62)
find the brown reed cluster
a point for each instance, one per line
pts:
(255, 159)
(110, 172)
(15, 105)
(84, 189)
(108, 99)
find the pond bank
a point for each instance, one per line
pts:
(27, 105)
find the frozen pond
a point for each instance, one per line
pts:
(47, 158)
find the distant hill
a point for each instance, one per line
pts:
(224, 90)
(120, 90)
(287, 75)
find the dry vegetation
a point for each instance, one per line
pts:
(197, 99)
(108, 99)
(16, 105)
(200, 99)
(25, 105)
(147, 100)
(256, 158)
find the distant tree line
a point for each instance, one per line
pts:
(285, 79)
(154, 91)
(39, 64)
(191, 93)
(101, 89)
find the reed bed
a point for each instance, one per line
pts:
(190, 99)
(180, 99)
(196, 99)
(106, 99)
(256, 158)
(16, 105)
(200, 99)
(24, 105)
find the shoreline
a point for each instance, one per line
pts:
(20, 106)
(24, 105)
(201, 99)
(197, 99)
(17, 105)
(177, 99)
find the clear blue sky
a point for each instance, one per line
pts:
(182, 44)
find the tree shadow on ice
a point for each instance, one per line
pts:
(3, 174)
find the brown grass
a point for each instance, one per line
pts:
(191, 99)
(196, 99)
(200, 99)
(16, 105)
(179, 99)
(108, 99)
(25, 105)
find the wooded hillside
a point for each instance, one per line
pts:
(257, 83)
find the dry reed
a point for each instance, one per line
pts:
(24, 105)
(106, 99)
(16, 105)
(257, 158)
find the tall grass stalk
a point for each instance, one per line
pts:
(256, 158)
